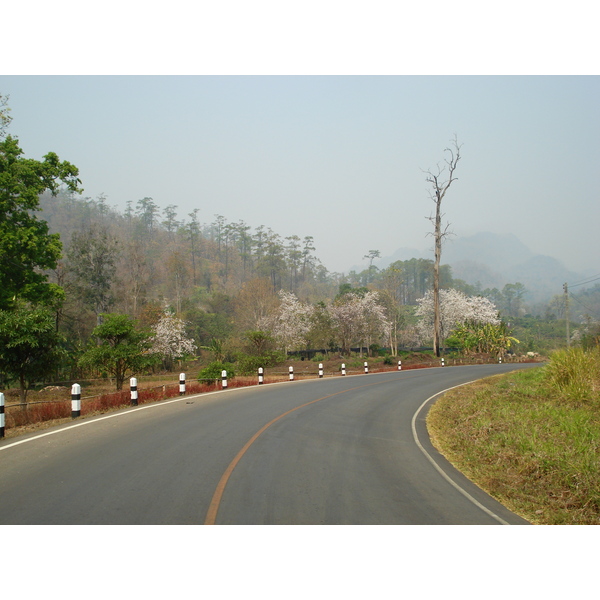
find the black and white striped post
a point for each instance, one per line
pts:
(320, 370)
(1, 415)
(75, 401)
(343, 368)
(443, 363)
(366, 367)
(291, 371)
(260, 375)
(399, 365)
(134, 391)
(224, 379)
(182, 384)
(500, 360)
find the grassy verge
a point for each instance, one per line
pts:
(529, 440)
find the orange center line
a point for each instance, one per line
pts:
(211, 515)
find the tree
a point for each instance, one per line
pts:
(193, 235)
(440, 184)
(92, 255)
(170, 340)
(26, 246)
(5, 117)
(372, 270)
(358, 319)
(123, 349)
(456, 308)
(254, 301)
(291, 323)
(29, 345)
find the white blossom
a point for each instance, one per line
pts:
(169, 339)
(359, 319)
(455, 308)
(290, 324)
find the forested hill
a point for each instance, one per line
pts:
(146, 256)
(222, 277)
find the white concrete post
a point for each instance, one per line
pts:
(1, 415)
(320, 369)
(134, 391)
(291, 370)
(343, 368)
(366, 367)
(182, 384)
(260, 375)
(75, 401)
(399, 365)
(224, 379)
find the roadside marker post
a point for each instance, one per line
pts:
(260, 375)
(366, 367)
(182, 384)
(443, 363)
(134, 391)
(75, 401)
(320, 370)
(291, 371)
(1, 415)
(224, 379)
(399, 365)
(343, 369)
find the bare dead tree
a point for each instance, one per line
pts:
(440, 180)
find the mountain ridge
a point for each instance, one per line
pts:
(492, 260)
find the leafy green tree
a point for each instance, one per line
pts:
(92, 256)
(123, 349)
(26, 246)
(30, 347)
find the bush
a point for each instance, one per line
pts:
(248, 365)
(215, 369)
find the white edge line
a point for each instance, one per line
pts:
(155, 404)
(131, 410)
(121, 413)
(439, 469)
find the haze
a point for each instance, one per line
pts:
(339, 158)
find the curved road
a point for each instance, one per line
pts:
(343, 450)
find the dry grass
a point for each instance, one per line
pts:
(528, 445)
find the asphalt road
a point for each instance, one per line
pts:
(338, 450)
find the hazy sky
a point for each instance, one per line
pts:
(340, 158)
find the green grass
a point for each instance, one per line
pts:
(531, 439)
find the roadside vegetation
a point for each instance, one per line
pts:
(531, 439)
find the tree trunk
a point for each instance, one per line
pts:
(436, 280)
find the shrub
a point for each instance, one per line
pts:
(215, 369)
(248, 365)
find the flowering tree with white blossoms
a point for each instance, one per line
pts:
(291, 323)
(359, 319)
(456, 309)
(170, 340)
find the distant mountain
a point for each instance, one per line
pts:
(493, 260)
(496, 251)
